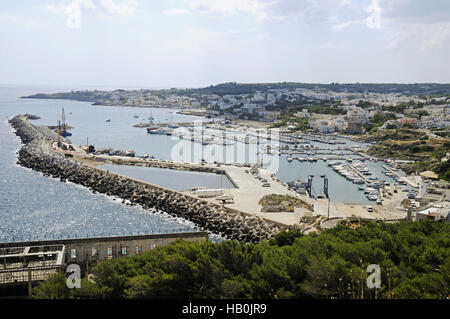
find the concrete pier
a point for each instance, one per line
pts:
(359, 174)
(250, 190)
(405, 179)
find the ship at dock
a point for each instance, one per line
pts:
(154, 130)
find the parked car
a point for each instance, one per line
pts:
(266, 185)
(370, 209)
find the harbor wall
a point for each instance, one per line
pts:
(232, 224)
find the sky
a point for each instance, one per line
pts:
(197, 43)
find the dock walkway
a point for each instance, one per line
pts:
(359, 174)
(405, 179)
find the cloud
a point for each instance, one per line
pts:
(176, 12)
(256, 8)
(332, 46)
(206, 40)
(421, 36)
(412, 23)
(416, 11)
(373, 21)
(345, 25)
(125, 8)
(73, 9)
(272, 10)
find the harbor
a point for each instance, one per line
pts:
(214, 142)
(248, 191)
(296, 156)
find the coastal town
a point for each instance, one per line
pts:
(341, 111)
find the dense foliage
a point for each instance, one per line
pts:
(233, 88)
(414, 260)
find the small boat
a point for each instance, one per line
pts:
(65, 133)
(289, 159)
(153, 130)
(369, 190)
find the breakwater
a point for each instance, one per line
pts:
(230, 223)
(189, 167)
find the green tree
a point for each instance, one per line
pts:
(55, 287)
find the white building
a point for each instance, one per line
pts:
(435, 213)
(304, 113)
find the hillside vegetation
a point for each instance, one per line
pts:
(409, 144)
(414, 259)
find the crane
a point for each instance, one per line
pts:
(325, 188)
(325, 185)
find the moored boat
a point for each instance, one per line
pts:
(153, 130)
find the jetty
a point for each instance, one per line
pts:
(353, 168)
(405, 179)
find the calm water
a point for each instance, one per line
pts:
(33, 205)
(172, 179)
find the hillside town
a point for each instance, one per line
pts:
(325, 110)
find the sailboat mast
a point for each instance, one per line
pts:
(63, 120)
(59, 133)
